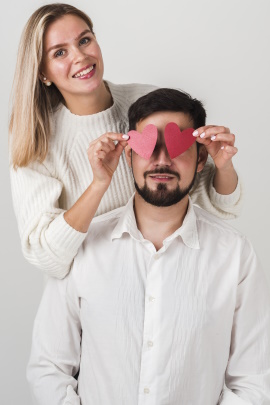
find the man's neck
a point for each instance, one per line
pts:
(158, 223)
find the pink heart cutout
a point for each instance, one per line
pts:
(144, 143)
(177, 141)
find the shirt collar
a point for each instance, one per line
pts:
(188, 231)
(127, 223)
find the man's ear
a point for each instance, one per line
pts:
(202, 157)
(128, 154)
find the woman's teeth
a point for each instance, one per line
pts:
(84, 72)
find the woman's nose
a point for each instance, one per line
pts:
(77, 55)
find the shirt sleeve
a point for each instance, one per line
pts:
(55, 354)
(248, 370)
(47, 240)
(204, 194)
(229, 398)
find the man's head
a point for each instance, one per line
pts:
(163, 181)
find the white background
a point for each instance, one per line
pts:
(216, 50)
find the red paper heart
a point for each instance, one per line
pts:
(144, 143)
(177, 141)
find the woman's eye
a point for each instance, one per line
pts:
(84, 41)
(59, 53)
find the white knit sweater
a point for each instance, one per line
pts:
(43, 192)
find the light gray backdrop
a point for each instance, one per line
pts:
(218, 50)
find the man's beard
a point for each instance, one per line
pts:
(162, 197)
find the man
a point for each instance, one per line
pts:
(164, 302)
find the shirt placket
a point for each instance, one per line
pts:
(149, 357)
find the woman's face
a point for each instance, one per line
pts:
(72, 58)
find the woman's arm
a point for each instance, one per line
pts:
(48, 241)
(103, 156)
(51, 236)
(204, 194)
(218, 188)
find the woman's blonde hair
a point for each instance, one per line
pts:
(33, 101)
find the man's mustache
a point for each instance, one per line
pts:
(161, 170)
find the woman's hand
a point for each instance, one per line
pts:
(104, 155)
(219, 143)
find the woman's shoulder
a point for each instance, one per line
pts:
(131, 91)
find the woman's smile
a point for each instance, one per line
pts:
(85, 73)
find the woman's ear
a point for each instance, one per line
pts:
(128, 152)
(202, 157)
(43, 78)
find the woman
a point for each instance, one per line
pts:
(61, 105)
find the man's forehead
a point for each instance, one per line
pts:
(161, 118)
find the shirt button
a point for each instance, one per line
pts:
(146, 390)
(156, 257)
(150, 344)
(151, 299)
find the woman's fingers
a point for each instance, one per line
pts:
(228, 151)
(111, 136)
(107, 142)
(104, 146)
(209, 131)
(223, 137)
(100, 154)
(214, 137)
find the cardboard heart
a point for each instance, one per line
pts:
(144, 143)
(177, 141)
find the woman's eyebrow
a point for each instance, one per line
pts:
(64, 44)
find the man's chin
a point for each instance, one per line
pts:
(161, 196)
(162, 186)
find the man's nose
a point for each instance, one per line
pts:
(161, 156)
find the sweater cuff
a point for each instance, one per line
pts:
(72, 398)
(225, 201)
(229, 398)
(65, 239)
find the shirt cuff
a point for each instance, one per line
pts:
(72, 398)
(64, 239)
(225, 201)
(229, 398)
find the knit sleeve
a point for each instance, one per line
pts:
(48, 242)
(204, 194)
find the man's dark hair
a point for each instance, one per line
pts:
(166, 100)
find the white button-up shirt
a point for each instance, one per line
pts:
(155, 328)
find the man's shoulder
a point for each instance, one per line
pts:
(98, 237)
(105, 221)
(215, 224)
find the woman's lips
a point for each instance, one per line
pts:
(86, 73)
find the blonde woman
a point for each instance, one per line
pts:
(64, 111)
